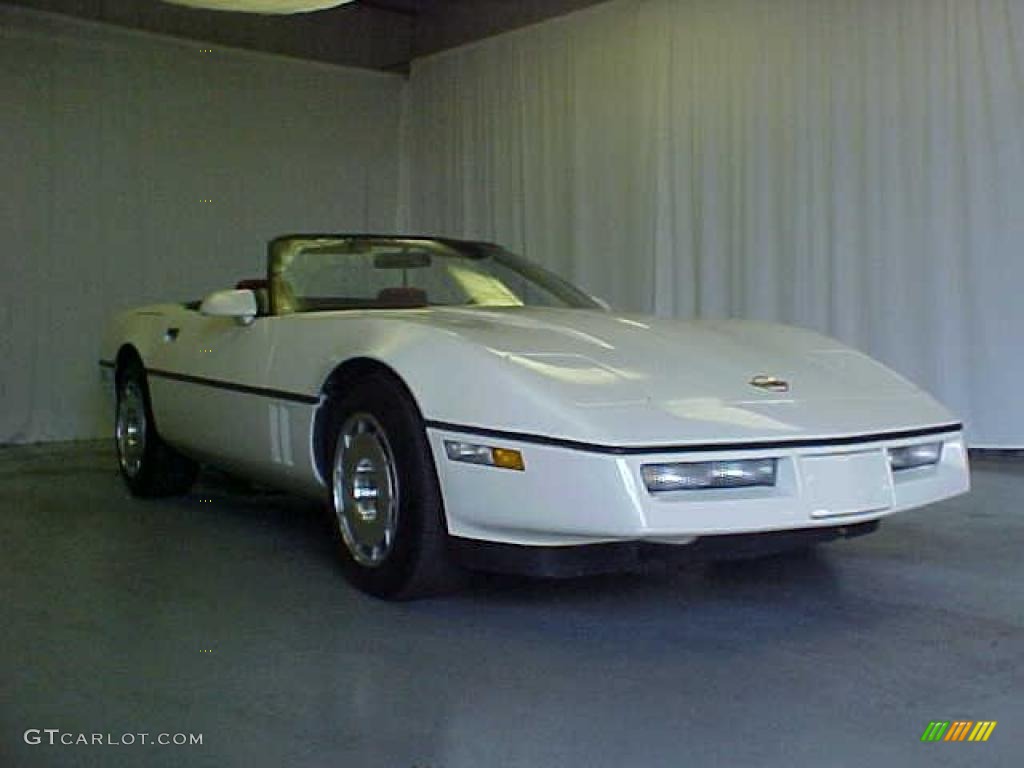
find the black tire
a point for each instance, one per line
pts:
(149, 467)
(415, 561)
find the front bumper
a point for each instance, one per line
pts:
(568, 496)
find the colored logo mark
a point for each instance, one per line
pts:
(958, 730)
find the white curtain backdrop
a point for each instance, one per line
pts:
(853, 166)
(110, 142)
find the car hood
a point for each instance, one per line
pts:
(641, 379)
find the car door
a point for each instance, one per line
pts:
(205, 379)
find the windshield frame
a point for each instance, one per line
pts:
(281, 249)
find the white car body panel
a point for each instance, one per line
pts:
(586, 396)
(574, 497)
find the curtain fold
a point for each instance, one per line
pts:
(853, 166)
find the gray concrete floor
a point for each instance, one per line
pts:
(836, 659)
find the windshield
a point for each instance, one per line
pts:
(313, 275)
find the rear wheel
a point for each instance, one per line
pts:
(385, 498)
(148, 466)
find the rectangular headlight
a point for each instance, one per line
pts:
(695, 476)
(910, 456)
(472, 453)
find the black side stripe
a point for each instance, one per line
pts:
(276, 394)
(525, 437)
(628, 450)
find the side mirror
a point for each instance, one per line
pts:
(239, 304)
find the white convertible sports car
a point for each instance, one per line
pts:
(458, 405)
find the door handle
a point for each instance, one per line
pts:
(171, 334)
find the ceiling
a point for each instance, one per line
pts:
(375, 34)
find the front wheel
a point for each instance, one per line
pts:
(148, 466)
(385, 498)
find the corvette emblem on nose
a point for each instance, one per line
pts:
(770, 383)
